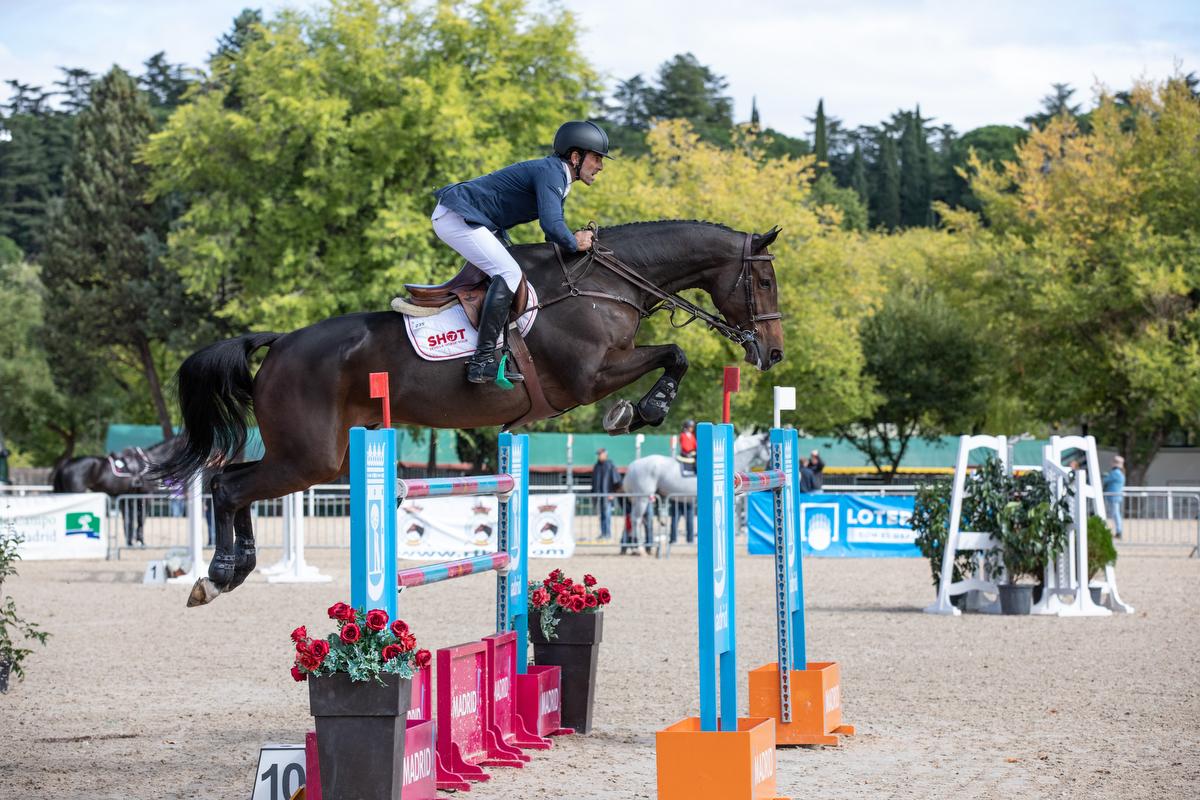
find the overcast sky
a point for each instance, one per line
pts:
(966, 63)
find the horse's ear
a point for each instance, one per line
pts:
(763, 240)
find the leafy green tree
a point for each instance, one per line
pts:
(165, 84)
(1095, 268)
(824, 285)
(887, 187)
(827, 195)
(34, 150)
(1056, 104)
(686, 89)
(105, 285)
(313, 198)
(926, 364)
(994, 144)
(39, 419)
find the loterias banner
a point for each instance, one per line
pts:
(840, 525)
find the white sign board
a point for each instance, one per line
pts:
(57, 526)
(444, 528)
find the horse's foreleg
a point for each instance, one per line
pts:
(623, 367)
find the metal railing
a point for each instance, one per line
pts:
(1166, 516)
(1161, 516)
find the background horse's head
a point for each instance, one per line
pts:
(747, 295)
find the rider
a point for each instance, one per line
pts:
(687, 439)
(474, 217)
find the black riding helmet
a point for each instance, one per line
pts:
(580, 135)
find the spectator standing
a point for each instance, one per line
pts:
(1114, 493)
(604, 480)
(807, 481)
(817, 466)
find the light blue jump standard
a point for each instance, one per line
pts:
(374, 580)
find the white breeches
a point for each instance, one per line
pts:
(477, 245)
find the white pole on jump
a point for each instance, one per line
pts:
(297, 571)
(637, 445)
(196, 527)
(570, 462)
(785, 400)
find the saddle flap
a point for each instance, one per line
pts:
(468, 287)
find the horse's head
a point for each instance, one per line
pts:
(747, 295)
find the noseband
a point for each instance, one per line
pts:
(667, 301)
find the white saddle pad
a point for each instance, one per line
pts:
(449, 334)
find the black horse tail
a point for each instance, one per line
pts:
(216, 395)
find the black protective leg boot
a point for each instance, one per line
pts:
(483, 366)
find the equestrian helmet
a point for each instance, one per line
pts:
(580, 135)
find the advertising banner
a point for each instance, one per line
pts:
(840, 525)
(56, 526)
(443, 528)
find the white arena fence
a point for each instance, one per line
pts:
(1153, 516)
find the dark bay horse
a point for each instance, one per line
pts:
(122, 473)
(312, 386)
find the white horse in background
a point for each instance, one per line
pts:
(663, 476)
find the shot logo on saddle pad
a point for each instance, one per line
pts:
(83, 523)
(450, 335)
(819, 524)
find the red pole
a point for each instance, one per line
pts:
(379, 388)
(733, 383)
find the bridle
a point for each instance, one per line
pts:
(666, 301)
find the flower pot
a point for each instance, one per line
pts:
(1015, 598)
(5, 667)
(361, 728)
(575, 651)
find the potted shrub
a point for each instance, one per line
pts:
(14, 631)
(359, 691)
(987, 489)
(1032, 532)
(1101, 552)
(566, 623)
(931, 522)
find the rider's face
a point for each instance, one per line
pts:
(592, 164)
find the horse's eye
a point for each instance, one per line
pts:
(765, 283)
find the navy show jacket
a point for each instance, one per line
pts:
(514, 195)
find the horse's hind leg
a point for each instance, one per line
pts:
(233, 490)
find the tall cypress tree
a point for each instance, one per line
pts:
(858, 176)
(887, 191)
(821, 138)
(104, 283)
(911, 213)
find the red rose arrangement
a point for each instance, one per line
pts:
(365, 646)
(557, 594)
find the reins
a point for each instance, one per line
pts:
(665, 301)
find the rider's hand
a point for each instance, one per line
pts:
(584, 240)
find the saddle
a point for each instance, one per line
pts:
(468, 287)
(687, 466)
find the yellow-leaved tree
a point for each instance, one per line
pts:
(1093, 280)
(823, 291)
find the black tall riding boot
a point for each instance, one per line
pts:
(483, 366)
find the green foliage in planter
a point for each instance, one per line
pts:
(13, 630)
(1033, 527)
(931, 521)
(1101, 551)
(1015, 510)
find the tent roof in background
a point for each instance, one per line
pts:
(550, 449)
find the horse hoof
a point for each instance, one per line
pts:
(619, 418)
(204, 591)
